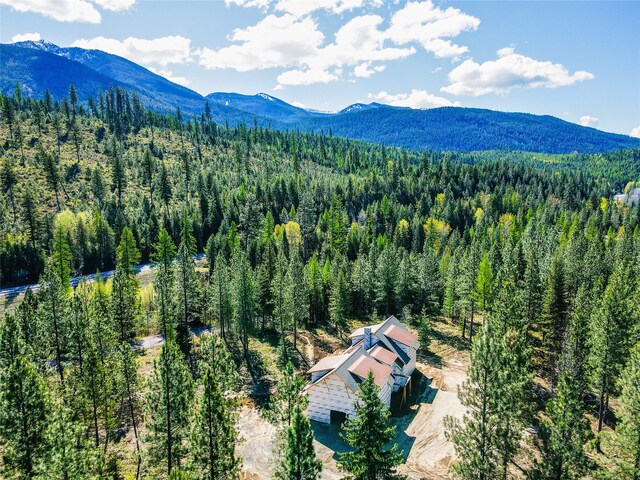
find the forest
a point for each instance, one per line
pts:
(526, 254)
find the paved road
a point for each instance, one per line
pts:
(139, 269)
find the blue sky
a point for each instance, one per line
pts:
(579, 61)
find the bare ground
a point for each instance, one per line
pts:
(420, 431)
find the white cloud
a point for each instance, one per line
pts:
(290, 42)
(299, 105)
(365, 70)
(635, 132)
(275, 41)
(162, 51)
(169, 75)
(588, 121)
(248, 3)
(511, 70)
(61, 10)
(115, 5)
(306, 77)
(430, 26)
(300, 8)
(414, 99)
(23, 37)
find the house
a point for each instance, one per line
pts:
(387, 349)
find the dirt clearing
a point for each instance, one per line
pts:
(420, 429)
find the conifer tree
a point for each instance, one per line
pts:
(627, 433)
(339, 300)
(168, 408)
(125, 301)
(554, 316)
(24, 410)
(476, 437)
(69, 454)
(483, 289)
(213, 435)
(185, 284)
(127, 386)
(609, 338)
(243, 301)
(368, 433)
(298, 460)
(565, 432)
(54, 318)
(164, 254)
(287, 396)
(220, 295)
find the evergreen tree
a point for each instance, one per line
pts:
(186, 285)
(54, 318)
(483, 290)
(164, 254)
(609, 339)
(565, 432)
(24, 410)
(476, 437)
(125, 301)
(554, 316)
(367, 433)
(243, 301)
(298, 460)
(168, 408)
(627, 433)
(69, 454)
(213, 435)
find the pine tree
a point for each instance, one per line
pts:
(168, 408)
(565, 432)
(287, 396)
(125, 301)
(69, 455)
(213, 435)
(186, 285)
(54, 318)
(386, 280)
(220, 296)
(127, 386)
(243, 301)
(298, 460)
(476, 437)
(339, 300)
(164, 253)
(554, 316)
(609, 338)
(24, 410)
(368, 433)
(627, 433)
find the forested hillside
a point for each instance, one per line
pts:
(40, 66)
(528, 255)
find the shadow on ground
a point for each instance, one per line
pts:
(403, 411)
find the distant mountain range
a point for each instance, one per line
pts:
(38, 66)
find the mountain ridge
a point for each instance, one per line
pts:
(42, 65)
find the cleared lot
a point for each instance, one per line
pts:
(420, 430)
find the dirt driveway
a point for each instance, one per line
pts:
(420, 430)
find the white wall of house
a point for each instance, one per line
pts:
(332, 393)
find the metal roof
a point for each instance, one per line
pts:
(401, 335)
(383, 355)
(363, 365)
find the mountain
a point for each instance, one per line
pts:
(41, 65)
(470, 129)
(262, 105)
(159, 92)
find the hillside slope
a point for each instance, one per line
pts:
(38, 66)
